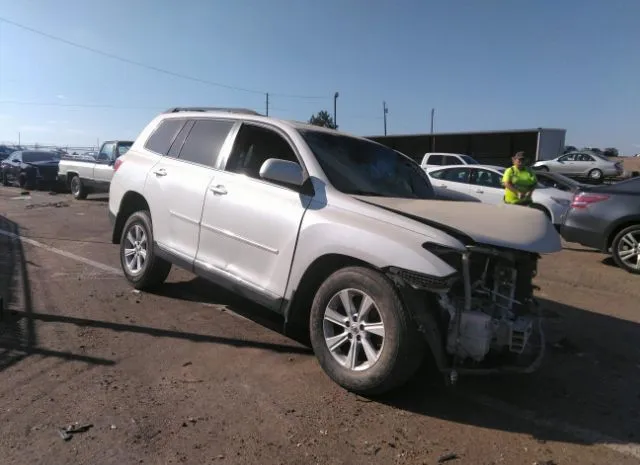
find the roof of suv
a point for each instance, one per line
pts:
(248, 115)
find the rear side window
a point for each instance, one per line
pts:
(204, 141)
(161, 139)
(448, 160)
(435, 160)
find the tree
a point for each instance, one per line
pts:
(570, 148)
(324, 119)
(611, 152)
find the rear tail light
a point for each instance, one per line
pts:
(116, 165)
(584, 199)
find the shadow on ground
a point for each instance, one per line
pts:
(18, 330)
(587, 391)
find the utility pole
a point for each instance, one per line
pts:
(18, 138)
(267, 103)
(385, 110)
(433, 138)
(335, 118)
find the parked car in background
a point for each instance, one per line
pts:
(582, 165)
(607, 218)
(484, 182)
(558, 181)
(440, 159)
(86, 174)
(30, 168)
(340, 235)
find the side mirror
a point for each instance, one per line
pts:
(15, 160)
(283, 171)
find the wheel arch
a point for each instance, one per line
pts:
(619, 226)
(131, 202)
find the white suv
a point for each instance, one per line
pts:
(338, 234)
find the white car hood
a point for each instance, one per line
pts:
(509, 226)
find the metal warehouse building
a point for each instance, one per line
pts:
(488, 147)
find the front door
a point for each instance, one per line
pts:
(250, 225)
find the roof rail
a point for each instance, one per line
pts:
(245, 111)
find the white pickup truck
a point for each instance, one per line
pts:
(84, 175)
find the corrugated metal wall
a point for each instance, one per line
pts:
(488, 148)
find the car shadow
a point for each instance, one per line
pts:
(18, 336)
(586, 392)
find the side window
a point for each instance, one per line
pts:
(436, 174)
(585, 157)
(178, 142)
(435, 160)
(204, 141)
(107, 151)
(457, 175)
(568, 157)
(253, 147)
(163, 136)
(487, 178)
(449, 160)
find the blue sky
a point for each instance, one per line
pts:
(483, 64)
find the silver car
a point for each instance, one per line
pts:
(582, 165)
(484, 182)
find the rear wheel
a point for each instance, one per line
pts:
(141, 266)
(595, 175)
(361, 333)
(626, 249)
(78, 190)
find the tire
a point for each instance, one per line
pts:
(622, 248)
(399, 353)
(5, 180)
(153, 270)
(595, 175)
(22, 181)
(78, 189)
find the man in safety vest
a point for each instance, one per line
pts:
(519, 182)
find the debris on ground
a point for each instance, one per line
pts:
(545, 462)
(47, 204)
(68, 432)
(25, 193)
(447, 457)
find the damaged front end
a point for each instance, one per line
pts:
(481, 319)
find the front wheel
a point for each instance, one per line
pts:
(626, 249)
(5, 179)
(361, 333)
(141, 266)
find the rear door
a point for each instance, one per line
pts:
(486, 186)
(178, 183)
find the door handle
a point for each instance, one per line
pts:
(219, 189)
(160, 172)
(443, 186)
(479, 191)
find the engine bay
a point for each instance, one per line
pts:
(491, 315)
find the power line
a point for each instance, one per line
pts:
(150, 67)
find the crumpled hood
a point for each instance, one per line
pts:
(509, 226)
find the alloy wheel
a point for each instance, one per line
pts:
(353, 329)
(629, 249)
(135, 249)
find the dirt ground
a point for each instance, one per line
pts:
(193, 375)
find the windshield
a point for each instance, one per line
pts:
(361, 167)
(31, 157)
(468, 160)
